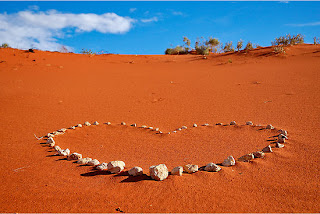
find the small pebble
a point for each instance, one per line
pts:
(93, 162)
(267, 149)
(72, 127)
(144, 126)
(156, 129)
(108, 123)
(269, 126)
(84, 160)
(219, 124)
(233, 123)
(184, 127)
(206, 124)
(102, 166)
(230, 161)
(95, 123)
(177, 171)
(134, 125)
(87, 123)
(211, 167)
(79, 125)
(259, 154)
(190, 168)
(135, 171)
(249, 123)
(279, 145)
(195, 125)
(123, 123)
(150, 127)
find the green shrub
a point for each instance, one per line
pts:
(239, 45)
(187, 43)
(279, 49)
(288, 40)
(203, 50)
(316, 41)
(178, 50)
(5, 45)
(228, 47)
(85, 51)
(212, 43)
(249, 46)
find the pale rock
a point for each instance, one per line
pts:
(136, 171)
(230, 161)
(219, 124)
(211, 167)
(259, 154)
(174, 131)
(74, 156)
(184, 127)
(150, 127)
(177, 171)
(269, 126)
(108, 123)
(50, 135)
(50, 140)
(72, 127)
(190, 168)
(57, 148)
(156, 129)
(134, 125)
(65, 152)
(123, 123)
(159, 172)
(52, 144)
(79, 125)
(195, 125)
(62, 130)
(279, 145)
(249, 123)
(179, 129)
(233, 123)
(144, 126)
(95, 123)
(102, 166)
(87, 123)
(267, 149)
(84, 160)
(206, 124)
(282, 138)
(93, 162)
(116, 166)
(246, 158)
(160, 132)
(284, 132)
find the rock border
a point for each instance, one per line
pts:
(117, 166)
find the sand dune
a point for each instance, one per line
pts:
(44, 91)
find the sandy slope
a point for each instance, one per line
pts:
(43, 91)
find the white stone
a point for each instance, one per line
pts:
(246, 158)
(65, 152)
(52, 144)
(57, 148)
(284, 132)
(219, 124)
(72, 127)
(195, 125)
(184, 127)
(249, 123)
(279, 145)
(211, 167)
(50, 140)
(49, 135)
(159, 172)
(230, 161)
(282, 138)
(79, 125)
(160, 132)
(62, 130)
(259, 154)
(144, 126)
(269, 126)
(179, 129)
(116, 166)
(174, 131)
(108, 123)
(190, 168)
(136, 171)
(123, 123)
(102, 166)
(84, 160)
(134, 125)
(233, 123)
(74, 156)
(150, 127)
(156, 129)
(206, 124)
(93, 162)
(95, 123)
(177, 171)
(87, 123)
(267, 149)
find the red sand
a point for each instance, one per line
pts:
(60, 90)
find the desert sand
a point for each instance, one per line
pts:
(45, 91)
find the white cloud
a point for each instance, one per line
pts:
(40, 30)
(153, 19)
(132, 10)
(177, 13)
(304, 24)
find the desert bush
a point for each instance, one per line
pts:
(239, 45)
(212, 43)
(249, 46)
(203, 50)
(228, 47)
(279, 49)
(178, 50)
(85, 51)
(316, 41)
(288, 40)
(5, 45)
(187, 43)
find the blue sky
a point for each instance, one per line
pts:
(151, 27)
